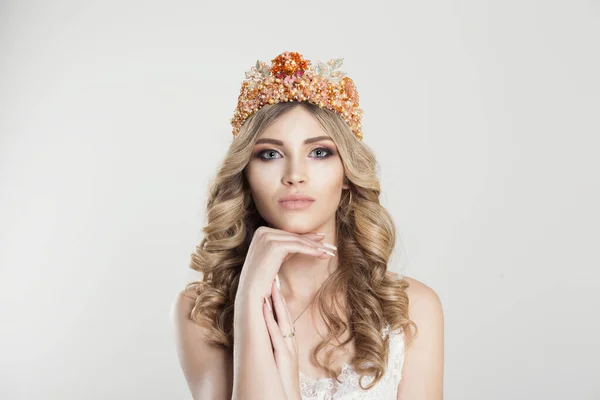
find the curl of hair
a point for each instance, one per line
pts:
(366, 238)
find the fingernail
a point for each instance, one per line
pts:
(268, 305)
(321, 233)
(329, 245)
(328, 252)
(277, 281)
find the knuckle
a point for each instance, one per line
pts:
(270, 244)
(309, 242)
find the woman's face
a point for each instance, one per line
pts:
(284, 163)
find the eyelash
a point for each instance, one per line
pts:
(259, 153)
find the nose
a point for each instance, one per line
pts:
(294, 172)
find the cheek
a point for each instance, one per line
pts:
(329, 179)
(262, 185)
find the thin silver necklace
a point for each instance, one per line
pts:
(306, 308)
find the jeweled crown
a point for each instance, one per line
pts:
(292, 78)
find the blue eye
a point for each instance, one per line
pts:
(320, 149)
(259, 154)
(329, 152)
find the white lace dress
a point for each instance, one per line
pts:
(349, 389)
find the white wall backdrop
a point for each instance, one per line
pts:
(114, 116)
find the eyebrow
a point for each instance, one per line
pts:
(280, 143)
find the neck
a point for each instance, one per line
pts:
(301, 275)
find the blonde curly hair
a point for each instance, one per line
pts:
(366, 238)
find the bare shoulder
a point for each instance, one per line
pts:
(423, 299)
(423, 371)
(181, 311)
(208, 369)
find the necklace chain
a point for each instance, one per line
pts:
(306, 308)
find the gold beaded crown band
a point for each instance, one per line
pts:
(289, 78)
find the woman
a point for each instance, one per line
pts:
(294, 258)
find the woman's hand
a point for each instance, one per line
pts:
(285, 350)
(269, 248)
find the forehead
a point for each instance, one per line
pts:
(294, 126)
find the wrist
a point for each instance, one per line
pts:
(248, 305)
(248, 296)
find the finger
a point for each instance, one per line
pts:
(313, 236)
(283, 317)
(287, 311)
(273, 328)
(294, 344)
(317, 240)
(274, 236)
(299, 247)
(266, 311)
(308, 238)
(315, 245)
(266, 230)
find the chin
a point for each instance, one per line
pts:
(299, 226)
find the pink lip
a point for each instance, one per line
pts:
(296, 204)
(295, 197)
(296, 201)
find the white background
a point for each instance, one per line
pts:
(114, 116)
